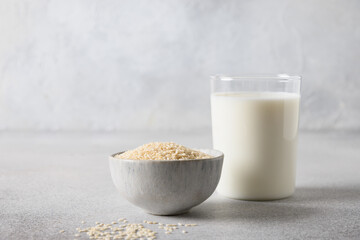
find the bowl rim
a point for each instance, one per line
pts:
(219, 156)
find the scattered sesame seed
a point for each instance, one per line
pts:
(61, 231)
(103, 231)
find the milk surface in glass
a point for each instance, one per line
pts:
(257, 131)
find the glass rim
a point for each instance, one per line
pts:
(283, 77)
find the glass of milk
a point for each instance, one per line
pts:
(255, 124)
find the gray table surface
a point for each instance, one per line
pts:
(53, 181)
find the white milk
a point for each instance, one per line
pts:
(258, 134)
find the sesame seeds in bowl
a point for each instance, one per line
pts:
(162, 151)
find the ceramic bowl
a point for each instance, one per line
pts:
(167, 187)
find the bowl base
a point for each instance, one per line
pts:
(169, 214)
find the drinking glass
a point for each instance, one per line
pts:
(255, 125)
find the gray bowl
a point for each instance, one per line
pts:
(167, 187)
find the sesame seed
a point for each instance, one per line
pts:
(61, 231)
(103, 231)
(162, 151)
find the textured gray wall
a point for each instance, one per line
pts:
(134, 65)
